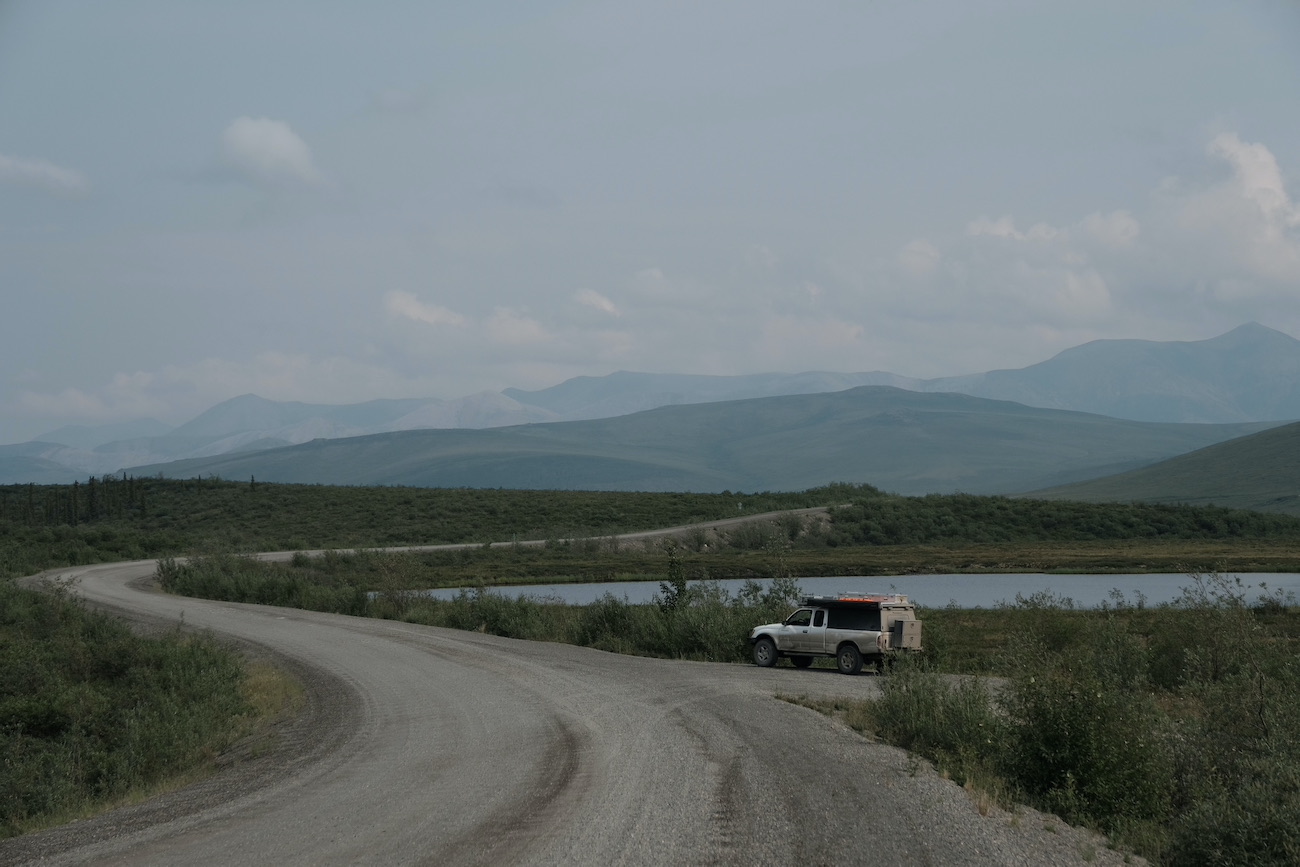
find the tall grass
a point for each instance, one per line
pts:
(1177, 730)
(711, 624)
(91, 713)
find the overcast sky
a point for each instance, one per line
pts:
(332, 202)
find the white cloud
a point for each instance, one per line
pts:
(1117, 229)
(1048, 276)
(1005, 227)
(268, 152)
(407, 306)
(592, 298)
(399, 100)
(1245, 229)
(511, 328)
(788, 337)
(761, 257)
(919, 258)
(41, 175)
(1001, 228)
(1064, 296)
(1226, 250)
(652, 281)
(1257, 179)
(653, 288)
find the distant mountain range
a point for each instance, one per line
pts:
(241, 424)
(1251, 374)
(901, 441)
(1260, 471)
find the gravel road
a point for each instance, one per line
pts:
(424, 745)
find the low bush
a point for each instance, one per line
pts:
(90, 712)
(1176, 729)
(952, 722)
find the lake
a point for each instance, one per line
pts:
(936, 591)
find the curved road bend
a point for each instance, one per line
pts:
(434, 746)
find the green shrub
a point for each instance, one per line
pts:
(606, 624)
(949, 721)
(91, 712)
(1085, 737)
(1174, 729)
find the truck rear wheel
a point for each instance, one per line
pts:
(848, 659)
(764, 653)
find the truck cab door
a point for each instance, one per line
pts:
(810, 635)
(794, 630)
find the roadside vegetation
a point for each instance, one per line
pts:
(93, 715)
(689, 620)
(1175, 730)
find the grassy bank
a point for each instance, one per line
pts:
(93, 715)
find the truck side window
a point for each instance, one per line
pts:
(819, 618)
(802, 617)
(858, 617)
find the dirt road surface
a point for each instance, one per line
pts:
(429, 746)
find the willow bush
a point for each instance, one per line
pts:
(1176, 729)
(90, 712)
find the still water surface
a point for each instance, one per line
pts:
(936, 591)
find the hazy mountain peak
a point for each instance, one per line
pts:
(1251, 373)
(1255, 331)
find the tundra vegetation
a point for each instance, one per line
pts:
(1175, 730)
(1172, 728)
(92, 714)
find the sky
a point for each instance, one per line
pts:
(332, 202)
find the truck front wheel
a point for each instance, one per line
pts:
(848, 659)
(764, 653)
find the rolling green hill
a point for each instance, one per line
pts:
(900, 441)
(1260, 471)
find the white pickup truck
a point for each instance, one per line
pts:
(850, 628)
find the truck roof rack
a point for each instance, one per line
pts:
(854, 599)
